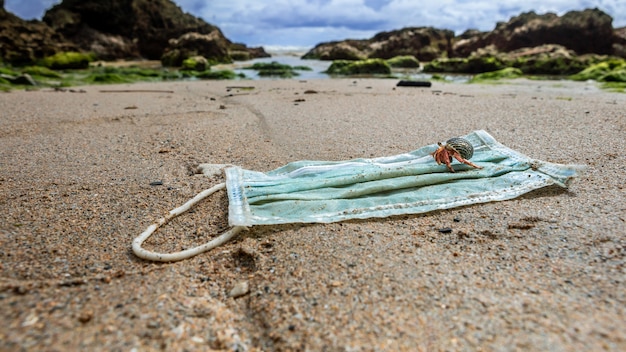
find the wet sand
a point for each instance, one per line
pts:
(83, 173)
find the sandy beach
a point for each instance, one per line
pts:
(83, 172)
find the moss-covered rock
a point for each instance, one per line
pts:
(8, 71)
(273, 69)
(544, 60)
(238, 55)
(446, 65)
(172, 58)
(5, 86)
(40, 71)
(369, 66)
(612, 70)
(505, 73)
(106, 78)
(196, 63)
(549, 59)
(22, 80)
(218, 75)
(618, 87)
(618, 75)
(425, 43)
(212, 46)
(274, 65)
(67, 60)
(474, 64)
(24, 42)
(347, 50)
(486, 64)
(405, 61)
(105, 75)
(138, 72)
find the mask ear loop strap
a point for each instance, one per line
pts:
(188, 253)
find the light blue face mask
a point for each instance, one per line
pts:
(331, 191)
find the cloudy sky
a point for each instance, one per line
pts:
(304, 23)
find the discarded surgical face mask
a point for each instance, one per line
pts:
(330, 191)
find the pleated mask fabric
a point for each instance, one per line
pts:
(409, 183)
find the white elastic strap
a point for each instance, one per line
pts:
(188, 253)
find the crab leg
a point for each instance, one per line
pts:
(464, 161)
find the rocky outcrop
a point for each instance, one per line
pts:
(575, 33)
(425, 43)
(549, 59)
(588, 31)
(110, 29)
(129, 28)
(23, 42)
(619, 42)
(212, 45)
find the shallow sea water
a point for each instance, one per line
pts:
(319, 67)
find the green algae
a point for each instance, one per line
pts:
(276, 69)
(67, 60)
(218, 75)
(612, 70)
(505, 73)
(404, 61)
(360, 67)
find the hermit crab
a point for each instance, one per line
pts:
(457, 148)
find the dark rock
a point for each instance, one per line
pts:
(468, 34)
(196, 63)
(549, 59)
(474, 64)
(612, 70)
(425, 43)
(404, 61)
(123, 29)
(369, 66)
(339, 50)
(414, 84)
(240, 52)
(588, 31)
(24, 42)
(212, 45)
(619, 42)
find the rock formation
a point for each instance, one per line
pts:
(588, 31)
(22, 42)
(582, 32)
(212, 45)
(619, 42)
(129, 28)
(548, 59)
(110, 29)
(425, 43)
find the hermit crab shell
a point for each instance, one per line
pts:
(462, 146)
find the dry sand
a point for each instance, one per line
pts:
(542, 272)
